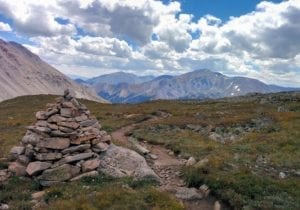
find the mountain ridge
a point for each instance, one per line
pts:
(198, 84)
(24, 73)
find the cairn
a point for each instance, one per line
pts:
(63, 145)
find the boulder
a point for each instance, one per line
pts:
(34, 168)
(120, 162)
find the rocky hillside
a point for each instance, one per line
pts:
(198, 84)
(24, 73)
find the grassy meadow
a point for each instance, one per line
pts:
(258, 137)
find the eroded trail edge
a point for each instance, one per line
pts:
(169, 169)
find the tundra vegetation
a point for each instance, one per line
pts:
(246, 148)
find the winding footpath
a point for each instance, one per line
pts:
(168, 167)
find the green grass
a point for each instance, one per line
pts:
(232, 171)
(99, 192)
(107, 193)
(17, 192)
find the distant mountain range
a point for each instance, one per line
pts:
(119, 77)
(128, 88)
(24, 73)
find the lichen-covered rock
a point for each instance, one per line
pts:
(119, 162)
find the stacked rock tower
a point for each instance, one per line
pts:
(64, 143)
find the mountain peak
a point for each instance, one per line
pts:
(24, 73)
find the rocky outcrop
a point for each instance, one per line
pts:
(119, 162)
(67, 143)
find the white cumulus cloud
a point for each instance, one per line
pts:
(92, 37)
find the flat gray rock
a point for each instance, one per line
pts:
(54, 143)
(120, 162)
(60, 173)
(78, 148)
(188, 193)
(35, 167)
(81, 156)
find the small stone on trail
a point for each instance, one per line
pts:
(191, 161)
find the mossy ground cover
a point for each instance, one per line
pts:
(233, 172)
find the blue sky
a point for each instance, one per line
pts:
(222, 9)
(250, 38)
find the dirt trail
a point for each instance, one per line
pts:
(167, 166)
